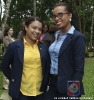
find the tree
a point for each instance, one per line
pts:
(91, 33)
(0, 10)
(0, 18)
(34, 7)
(21, 9)
(4, 19)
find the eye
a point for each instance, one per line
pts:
(34, 27)
(54, 16)
(60, 14)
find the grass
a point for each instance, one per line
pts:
(88, 79)
(1, 82)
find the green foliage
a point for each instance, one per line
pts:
(1, 51)
(21, 9)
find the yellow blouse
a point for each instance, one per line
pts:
(32, 71)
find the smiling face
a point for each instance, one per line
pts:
(62, 17)
(33, 31)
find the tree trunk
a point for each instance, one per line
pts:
(0, 10)
(34, 7)
(4, 19)
(91, 34)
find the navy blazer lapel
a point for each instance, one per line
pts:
(65, 43)
(40, 49)
(21, 50)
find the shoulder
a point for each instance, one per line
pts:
(77, 33)
(78, 36)
(43, 45)
(13, 38)
(6, 37)
(47, 33)
(16, 43)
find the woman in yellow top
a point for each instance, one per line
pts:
(29, 61)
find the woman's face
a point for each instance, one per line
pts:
(10, 32)
(61, 17)
(45, 29)
(33, 31)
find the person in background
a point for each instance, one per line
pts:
(67, 53)
(22, 28)
(52, 30)
(45, 34)
(29, 59)
(7, 39)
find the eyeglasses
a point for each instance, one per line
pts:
(59, 15)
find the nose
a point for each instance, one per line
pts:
(56, 18)
(37, 31)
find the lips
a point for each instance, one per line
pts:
(35, 35)
(58, 23)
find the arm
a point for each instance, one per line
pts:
(46, 71)
(79, 55)
(6, 41)
(7, 61)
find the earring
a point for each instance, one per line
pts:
(70, 19)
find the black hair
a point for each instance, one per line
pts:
(44, 26)
(28, 21)
(74, 21)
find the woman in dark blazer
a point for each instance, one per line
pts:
(29, 61)
(67, 56)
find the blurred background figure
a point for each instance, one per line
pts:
(45, 33)
(6, 41)
(52, 30)
(22, 27)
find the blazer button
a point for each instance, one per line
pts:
(12, 80)
(58, 77)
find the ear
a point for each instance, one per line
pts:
(70, 15)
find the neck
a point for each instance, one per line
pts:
(31, 42)
(9, 35)
(66, 29)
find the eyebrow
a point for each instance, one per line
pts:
(36, 26)
(60, 12)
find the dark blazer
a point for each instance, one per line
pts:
(71, 61)
(15, 56)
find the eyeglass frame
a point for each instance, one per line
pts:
(54, 16)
